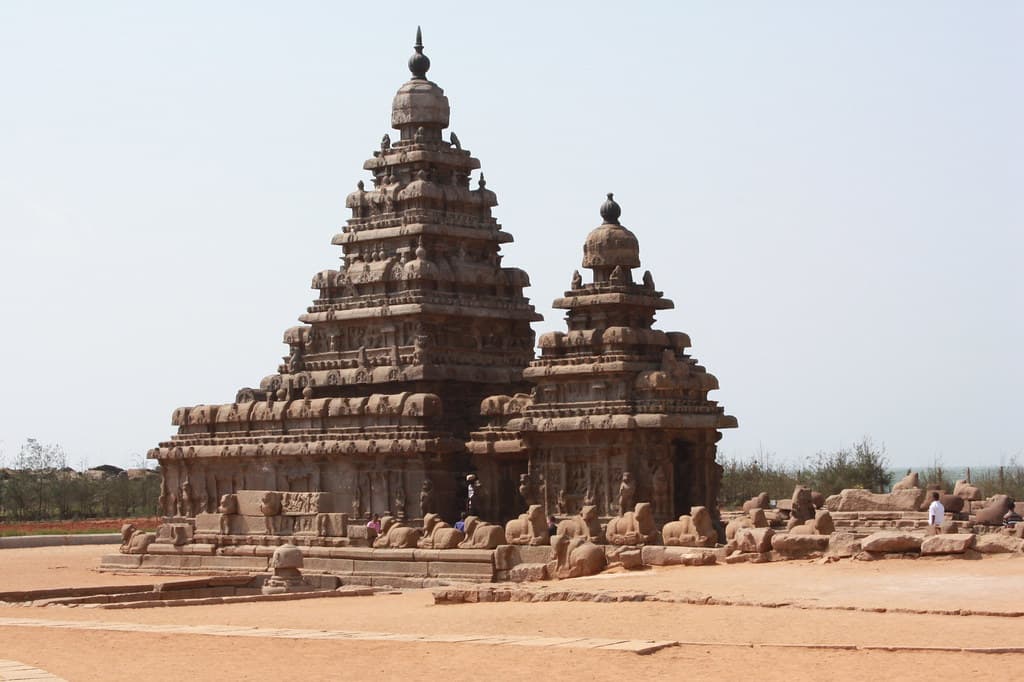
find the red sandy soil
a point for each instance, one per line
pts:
(732, 635)
(69, 527)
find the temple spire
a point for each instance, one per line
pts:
(419, 63)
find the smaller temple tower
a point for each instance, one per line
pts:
(619, 412)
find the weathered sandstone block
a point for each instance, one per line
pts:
(787, 543)
(998, 543)
(754, 539)
(948, 543)
(891, 541)
(855, 499)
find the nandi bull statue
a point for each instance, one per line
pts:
(439, 535)
(529, 529)
(396, 535)
(585, 525)
(482, 535)
(576, 557)
(634, 527)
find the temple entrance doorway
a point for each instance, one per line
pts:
(683, 476)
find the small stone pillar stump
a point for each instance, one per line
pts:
(286, 562)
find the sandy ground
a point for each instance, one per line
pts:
(739, 640)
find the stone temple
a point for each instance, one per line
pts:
(413, 372)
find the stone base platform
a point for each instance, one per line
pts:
(353, 565)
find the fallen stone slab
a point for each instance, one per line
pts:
(841, 544)
(756, 540)
(786, 543)
(528, 573)
(996, 543)
(891, 541)
(951, 543)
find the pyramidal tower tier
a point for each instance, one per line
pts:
(619, 412)
(383, 380)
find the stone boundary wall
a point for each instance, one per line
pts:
(353, 565)
(25, 541)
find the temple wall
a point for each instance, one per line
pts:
(361, 486)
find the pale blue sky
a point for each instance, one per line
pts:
(830, 192)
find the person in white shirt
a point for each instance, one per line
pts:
(936, 512)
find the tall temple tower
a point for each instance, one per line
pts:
(383, 380)
(619, 412)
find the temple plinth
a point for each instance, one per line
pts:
(619, 412)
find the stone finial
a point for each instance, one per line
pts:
(610, 211)
(419, 63)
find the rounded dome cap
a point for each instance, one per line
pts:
(419, 102)
(611, 244)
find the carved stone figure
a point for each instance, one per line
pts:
(560, 502)
(576, 557)
(439, 535)
(481, 535)
(970, 493)
(802, 509)
(634, 527)
(270, 507)
(187, 500)
(426, 498)
(759, 501)
(396, 535)
(525, 489)
(400, 501)
(909, 481)
(228, 506)
(627, 491)
(135, 541)
(821, 524)
(691, 530)
(530, 528)
(995, 510)
(585, 524)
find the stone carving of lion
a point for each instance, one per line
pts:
(633, 528)
(439, 535)
(529, 529)
(586, 525)
(694, 529)
(396, 535)
(481, 535)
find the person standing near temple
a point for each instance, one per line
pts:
(472, 495)
(936, 512)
